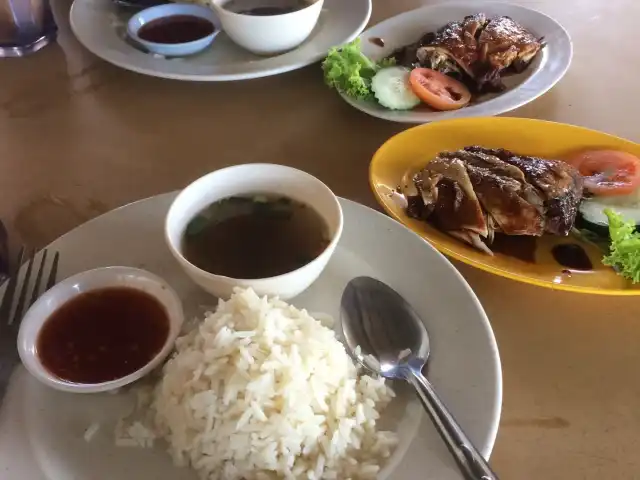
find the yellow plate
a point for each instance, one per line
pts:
(412, 148)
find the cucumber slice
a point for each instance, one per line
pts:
(592, 217)
(392, 90)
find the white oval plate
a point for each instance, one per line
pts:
(464, 366)
(100, 27)
(547, 69)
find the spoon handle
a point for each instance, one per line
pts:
(472, 465)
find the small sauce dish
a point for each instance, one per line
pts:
(174, 30)
(100, 330)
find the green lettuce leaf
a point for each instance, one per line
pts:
(624, 254)
(350, 72)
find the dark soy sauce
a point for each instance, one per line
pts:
(176, 29)
(103, 335)
(573, 256)
(517, 246)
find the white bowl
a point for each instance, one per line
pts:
(251, 179)
(83, 282)
(138, 20)
(272, 34)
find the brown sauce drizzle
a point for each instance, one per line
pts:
(572, 256)
(520, 246)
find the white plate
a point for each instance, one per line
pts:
(100, 27)
(547, 69)
(41, 430)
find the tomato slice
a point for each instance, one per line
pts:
(438, 90)
(608, 172)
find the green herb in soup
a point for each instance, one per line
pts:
(256, 236)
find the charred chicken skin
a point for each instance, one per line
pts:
(477, 50)
(476, 192)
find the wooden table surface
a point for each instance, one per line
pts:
(79, 137)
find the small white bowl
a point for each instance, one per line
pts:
(251, 179)
(270, 34)
(140, 19)
(83, 282)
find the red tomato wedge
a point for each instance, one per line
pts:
(608, 172)
(438, 90)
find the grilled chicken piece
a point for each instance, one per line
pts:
(500, 167)
(449, 197)
(475, 192)
(456, 44)
(559, 184)
(476, 51)
(407, 55)
(500, 197)
(511, 203)
(503, 44)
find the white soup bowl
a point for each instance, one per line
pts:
(248, 179)
(269, 34)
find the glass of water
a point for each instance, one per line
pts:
(25, 26)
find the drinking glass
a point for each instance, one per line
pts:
(25, 26)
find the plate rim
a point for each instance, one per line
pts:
(470, 261)
(392, 115)
(207, 78)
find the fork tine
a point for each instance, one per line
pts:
(7, 300)
(17, 316)
(36, 286)
(54, 271)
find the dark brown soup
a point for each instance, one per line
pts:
(103, 335)
(176, 29)
(266, 7)
(256, 236)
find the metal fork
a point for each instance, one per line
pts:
(17, 293)
(13, 317)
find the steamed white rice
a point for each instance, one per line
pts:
(262, 390)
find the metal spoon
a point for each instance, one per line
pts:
(387, 337)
